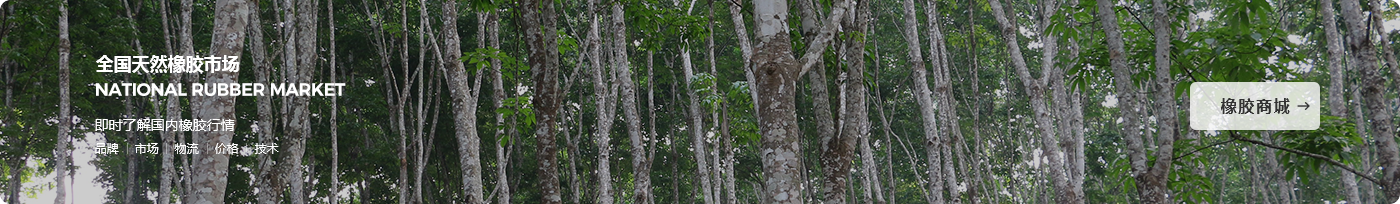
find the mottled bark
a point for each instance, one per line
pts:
(697, 130)
(1127, 103)
(1371, 89)
(1336, 90)
(493, 27)
(211, 175)
(821, 100)
(186, 48)
(922, 95)
(605, 95)
(299, 123)
(539, 21)
(335, 101)
(950, 136)
(860, 116)
(65, 121)
(821, 107)
(641, 166)
(265, 178)
(776, 72)
(837, 160)
(1153, 186)
(464, 103)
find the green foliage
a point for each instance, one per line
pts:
(1335, 138)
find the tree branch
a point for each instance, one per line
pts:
(1203, 148)
(814, 51)
(1329, 160)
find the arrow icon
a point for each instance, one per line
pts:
(1305, 106)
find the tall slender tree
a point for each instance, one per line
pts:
(172, 103)
(299, 123)
(627, 95)
(950, 133)
(493, 27)
(837, 160)
(464, 103)
(1364, 56)
(211, 175)
(923, 96)
(268, 179)
(539, 21)
(605, 94)
(65, 120)
(335, 101)
(1336, 90)
(1036, 89)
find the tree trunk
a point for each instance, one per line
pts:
(268, 178)
(1128, 101)
(1035, 88)
(951, 132)
(493, 27)
(17, 167)
(464, 102)
(718, 157)
(65, 121)
(922, 95)
(857, 116)
(419, 116)
(187, 49)
(641, 167)
(697, 130)
(132, 160)
(776, 74)
(839, 150)
(832, 154)
(539, 23)
(211, 175)
(604, 97)
(335, 101)
(1371, 94)
(299, 125)
(821, 100)
(1336, 91)
(1154, 186)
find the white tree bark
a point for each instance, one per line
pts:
(65, 121)
(697, 130)
(493, 26)
(776, 72)
(539, 23)
(951, 133)
(1336, 90)
(605, 94)
(1036, 90)
(299, 124)
(335, 101)
(464, 102)
(172, 104)
(922, 96)
(641, 166)
(854, 115)
(211, 175)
